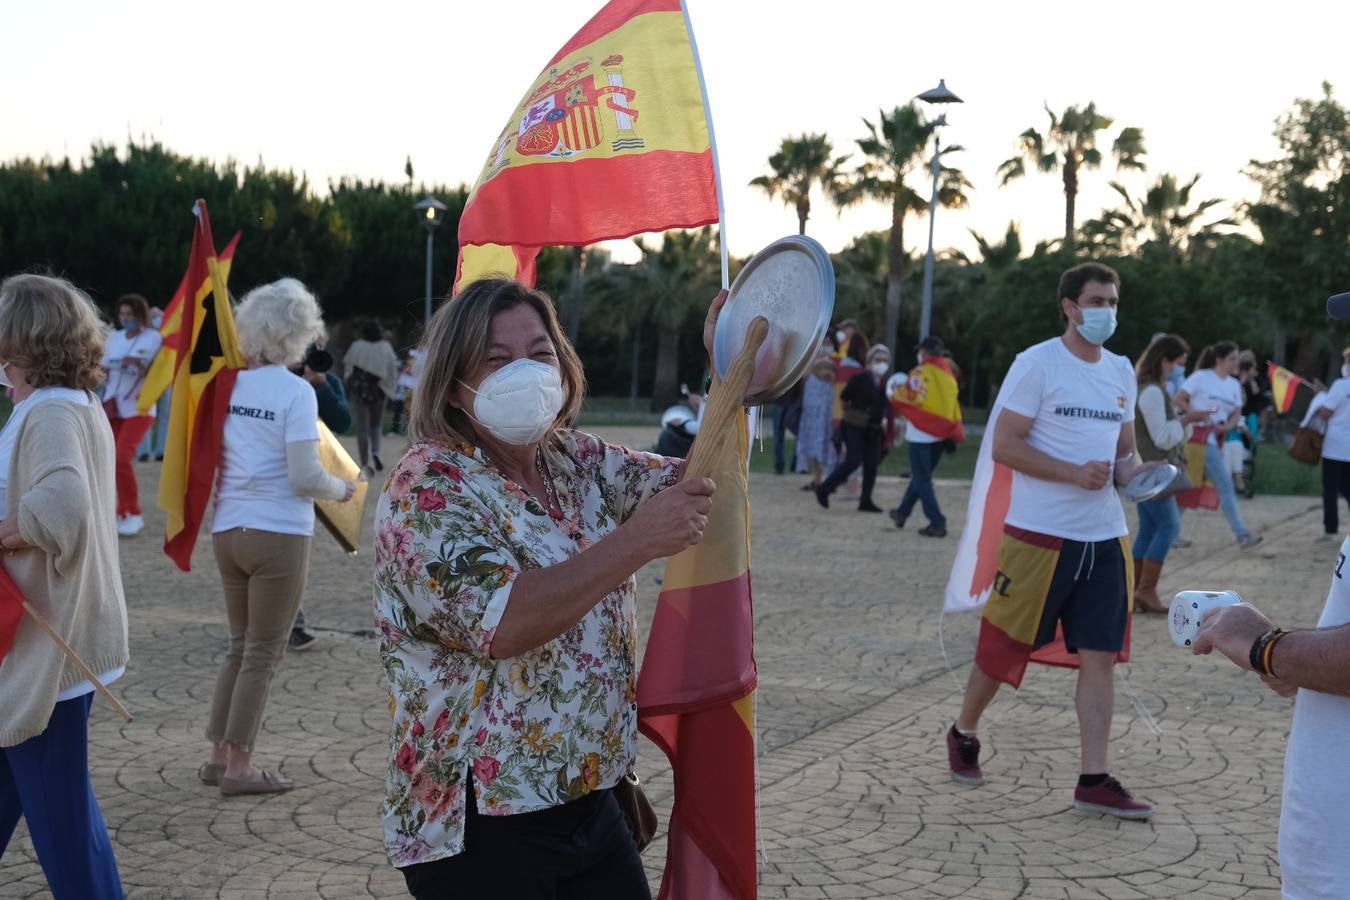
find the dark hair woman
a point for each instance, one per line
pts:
(1158, 432)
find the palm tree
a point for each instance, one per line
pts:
(1163, 217)
(800, 164)
(893, 151)
(683, 271)
(1001, 255)
(1070, 145)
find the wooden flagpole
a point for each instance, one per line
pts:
(75, 659)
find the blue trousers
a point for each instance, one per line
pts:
(779, 438)
(46, 780)
(1159, 525)
(923, 459)
(1216, 470)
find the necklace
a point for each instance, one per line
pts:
(551, 493)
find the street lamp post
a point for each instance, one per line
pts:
(939, 94)
(431, 212)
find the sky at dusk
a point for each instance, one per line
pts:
(342, 88)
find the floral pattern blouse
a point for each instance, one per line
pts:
(534, 731)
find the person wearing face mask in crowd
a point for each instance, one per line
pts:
(1335, 412)
(925, 448)
(505, 547)
(126, 359)
(1212, 387)
(1065, 427)
(866, 410)
(269, 477)
(815, 433)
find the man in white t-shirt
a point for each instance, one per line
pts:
(1335, 413)
(1315, 664)
(1066, 430)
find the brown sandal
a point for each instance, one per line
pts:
(267, 783)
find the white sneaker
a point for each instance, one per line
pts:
(130, 526)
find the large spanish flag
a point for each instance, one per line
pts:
(162, 370)
(203, 381)
(1284, 385)
(929, 399)
(696, 696)
(611, 140)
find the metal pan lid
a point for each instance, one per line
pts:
(790, 283)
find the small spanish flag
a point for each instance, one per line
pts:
(929, 399)
(1284, 384)
(203, 381)
(161, 373)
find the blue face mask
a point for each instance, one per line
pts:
(131, 325)
(1099, 323)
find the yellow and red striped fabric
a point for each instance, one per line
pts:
(611, 140)
(844, 369)
(1284, 384)
(204, 378)
(1203, 494)
(1012, 615)
(929, 399)
(161, 372)
(696, 697)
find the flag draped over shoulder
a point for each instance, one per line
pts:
(162, 370)
(928, 398)
(696, 696)
(1284, 385)
(203, 380)
(976, 567)
(611, 140)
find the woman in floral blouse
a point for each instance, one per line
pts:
(504, 598)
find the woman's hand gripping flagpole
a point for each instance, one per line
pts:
(726, 397)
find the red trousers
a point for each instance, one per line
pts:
(127, 433)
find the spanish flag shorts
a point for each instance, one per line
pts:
(1047, 587)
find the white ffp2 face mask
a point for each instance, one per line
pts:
(880, 369)
(519, 402)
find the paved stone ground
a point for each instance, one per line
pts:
(854, 701)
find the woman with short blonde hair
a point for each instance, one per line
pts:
(506, 544)
(264, 521)
(58, 499)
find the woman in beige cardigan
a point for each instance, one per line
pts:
(59, 538)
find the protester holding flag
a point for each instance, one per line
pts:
(1335, 412)
(928, 399)
(264, 521)
(58, 496)
(504, 598)
(1213, 387)
(127, 358)
(1046, 538)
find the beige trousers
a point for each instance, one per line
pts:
(264, 576)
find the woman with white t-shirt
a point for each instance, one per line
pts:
(264, 521)
(60, 548)
(1212, 387)
(127, 358)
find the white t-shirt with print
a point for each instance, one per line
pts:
(1079, 409)
(1315, 814)
(1208, 391)
(1337, 443)
(270, 408)
(124, 384)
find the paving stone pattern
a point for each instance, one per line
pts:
(856, 694)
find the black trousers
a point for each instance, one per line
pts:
(862, 447)
(1335, 485)
(582, 850)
